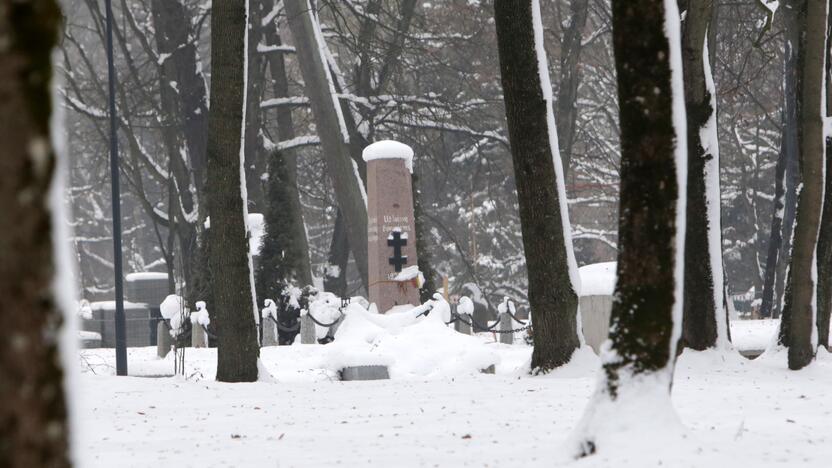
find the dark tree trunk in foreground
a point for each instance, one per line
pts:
(570, 79)
(798, 318)
(825, 235)
(647, 300)
(234, 308)
(33, 424)
(543, 215)
(704, 312)
(779, 248)
(340, 167)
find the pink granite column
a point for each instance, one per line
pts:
(391, 234)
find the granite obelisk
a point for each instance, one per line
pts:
(394, 278)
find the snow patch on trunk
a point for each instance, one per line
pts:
(710, 143)
(546, 89)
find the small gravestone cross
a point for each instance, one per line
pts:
(396, 241)
(390, 224)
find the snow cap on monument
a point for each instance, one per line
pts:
(389, 149)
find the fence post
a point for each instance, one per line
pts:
(269, 332)
(463, 324)
(307, 330)
(506, 324)
(199, 339)
(163, 340)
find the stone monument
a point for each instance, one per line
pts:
(394, 278)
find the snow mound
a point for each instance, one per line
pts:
(411, 346)
(598, 279)
(389, 149)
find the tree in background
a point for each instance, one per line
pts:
(824, 305)
(33, 411)
(704, 323)
(538, 172)
(282, 262)
(647, 304)
(229, 260)
(798, 320)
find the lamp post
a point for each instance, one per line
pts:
(121, 339)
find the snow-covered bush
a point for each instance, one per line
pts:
(174, 310)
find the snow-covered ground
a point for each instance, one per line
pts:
(737, 412)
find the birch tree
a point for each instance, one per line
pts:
(34, 430)
(638, 363)
(544, 218)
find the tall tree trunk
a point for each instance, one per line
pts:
(319, 85)
(570, 78)
(234, 307)
(799, 306)
(647, 304)
(704, 318)
(779, 249)
(173, 35)
(286, 131)
(33, 413)
(825, 235)
(256, 163)
(184, 114)
(538, 171)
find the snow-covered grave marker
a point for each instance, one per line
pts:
(269, 323)
(508, 321)
(465, 311)
(391, 252)
(597, 285)
(199, 323)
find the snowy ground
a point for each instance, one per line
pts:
(754, 413)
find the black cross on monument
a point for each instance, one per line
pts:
(397, 260)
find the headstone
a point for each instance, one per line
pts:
(365, 373)
(269, 332)
(595, 319)
(163, 339)
(465, 312)
(506, 324)
(308, 334)
(391, 230)
(199, 339)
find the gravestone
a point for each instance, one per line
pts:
(391, 232)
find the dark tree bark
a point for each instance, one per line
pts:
(825, 236)
(237, 343)
(256, 158)
(643, 311)
(340, 167)
(172, 25)
(798, 317)
(184, 115)
(33, 412)
(543, 217)
(570, 79)
(704, 312)
(779, 248)
(647, 299)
